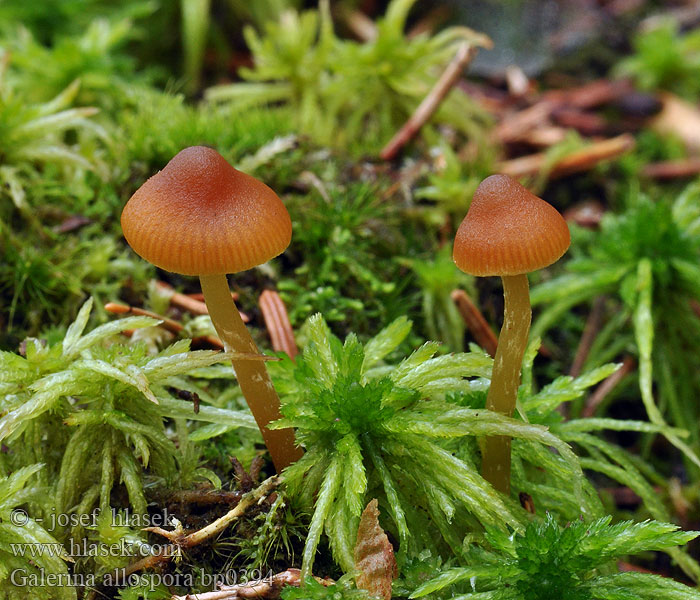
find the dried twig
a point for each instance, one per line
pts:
(180, 540)
(277, 321)
(122, 309)
(672, 169)
(590, 330)
(581, 160)
(430, 103)
(121, 576)
(268, 588)
(608, 384)
(204, 497)
(584, 122)
(516, 125)
(590, 95)
(190, 303)
(175, 327)
(475, 321)
(545, 136)
(169, 324)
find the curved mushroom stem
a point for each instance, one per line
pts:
(506, 376)
(251, 374)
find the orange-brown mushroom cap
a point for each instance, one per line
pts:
(509, 231)
(200, 216)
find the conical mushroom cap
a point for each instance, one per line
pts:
(200, 216)
(509, 231)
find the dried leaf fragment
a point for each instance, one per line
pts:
(374, 555)
(277, 322)
(679, 118)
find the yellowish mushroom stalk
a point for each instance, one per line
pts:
(505, 380)
(252, 375)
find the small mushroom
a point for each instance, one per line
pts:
(508, 232)
(200, 216)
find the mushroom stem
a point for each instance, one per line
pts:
(506, 376)
(251, 374)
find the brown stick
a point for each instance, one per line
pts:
(121, 309)
(584, 122)
(180, 540)
(119, 577)
(169, 324)
(672, 169)
(263, 588)
(581, 160)
(590, 95)
(516, 125)
(608, 384)
(545, 136)
(204, 497)
(475, 321)
(590, 330)
(430, 103)
(277, 321)
(192, 303)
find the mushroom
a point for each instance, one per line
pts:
(200, 216)
(508, 231)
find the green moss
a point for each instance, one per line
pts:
(576, 562)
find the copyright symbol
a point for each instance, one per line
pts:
(19, 517)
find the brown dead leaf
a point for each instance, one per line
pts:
(277, 322)
(374, 555)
